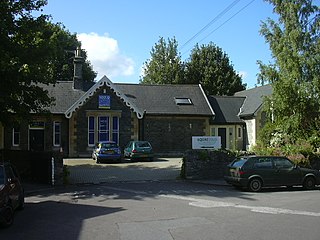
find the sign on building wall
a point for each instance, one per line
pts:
(104, 101)
(205, 142)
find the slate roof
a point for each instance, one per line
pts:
(226, 109)
(160, 99)
(153, 99)
(64, 95)
(254, 99)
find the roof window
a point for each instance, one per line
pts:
(183, 101)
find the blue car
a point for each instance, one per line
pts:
(107, 151)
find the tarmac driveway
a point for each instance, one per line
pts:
(85, 170)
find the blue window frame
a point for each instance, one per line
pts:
(104, 131)
(115, 129)
(91, 130)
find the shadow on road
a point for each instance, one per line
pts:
(40, 220)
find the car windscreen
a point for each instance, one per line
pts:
(239, 162)
(1, 175)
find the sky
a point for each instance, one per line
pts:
(118, 35)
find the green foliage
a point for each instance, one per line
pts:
(208, 65)
(294, 74)
(165, 65)
(33, 51)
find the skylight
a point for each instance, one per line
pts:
(183, 101)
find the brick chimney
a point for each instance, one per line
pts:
(77, 64)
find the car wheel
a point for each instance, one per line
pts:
(7, 217)
(309, 183)
(255, 185)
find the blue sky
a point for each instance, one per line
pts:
(119, 34)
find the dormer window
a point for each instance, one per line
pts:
(183, 101)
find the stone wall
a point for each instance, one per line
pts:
(172, 134)
(36, 167)
(118, 108)
(205, 164)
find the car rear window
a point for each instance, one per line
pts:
(143, 145)
(239, 162)
(109, 145)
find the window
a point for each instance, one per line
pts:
(263, 163)
(183, 101)
(103, 128)
(56, 134)
(115, 129)
(239, 132)
(91, 129)
(213, 131)
(282, 163)
(16, 137)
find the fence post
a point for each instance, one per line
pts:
(52, 171)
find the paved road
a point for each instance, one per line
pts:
(167, 210)
(87, 171)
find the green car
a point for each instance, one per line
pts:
(139, 150)
(256, 172)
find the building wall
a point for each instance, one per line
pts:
(173, 134)
(79, 144)
(253, 127)
(234, 135)
(45, 125)
(251, 133)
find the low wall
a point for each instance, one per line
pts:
(36, 166)
(205, 164)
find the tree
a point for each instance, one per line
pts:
(295, 73)
(165, 65)
(65, 46)
(210, 66)
(32, 51)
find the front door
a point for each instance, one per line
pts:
(222, 133)
(36, 140)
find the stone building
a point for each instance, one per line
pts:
(166, 115)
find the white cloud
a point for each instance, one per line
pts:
(243, 74)
(104, 54)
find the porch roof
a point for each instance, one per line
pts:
(227, 109)
(254, 100)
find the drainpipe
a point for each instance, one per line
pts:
(52, 171)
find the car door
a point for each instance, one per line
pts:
(287, 173)
(13, 182)
(263, 167)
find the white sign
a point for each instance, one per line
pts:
(206, 142)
